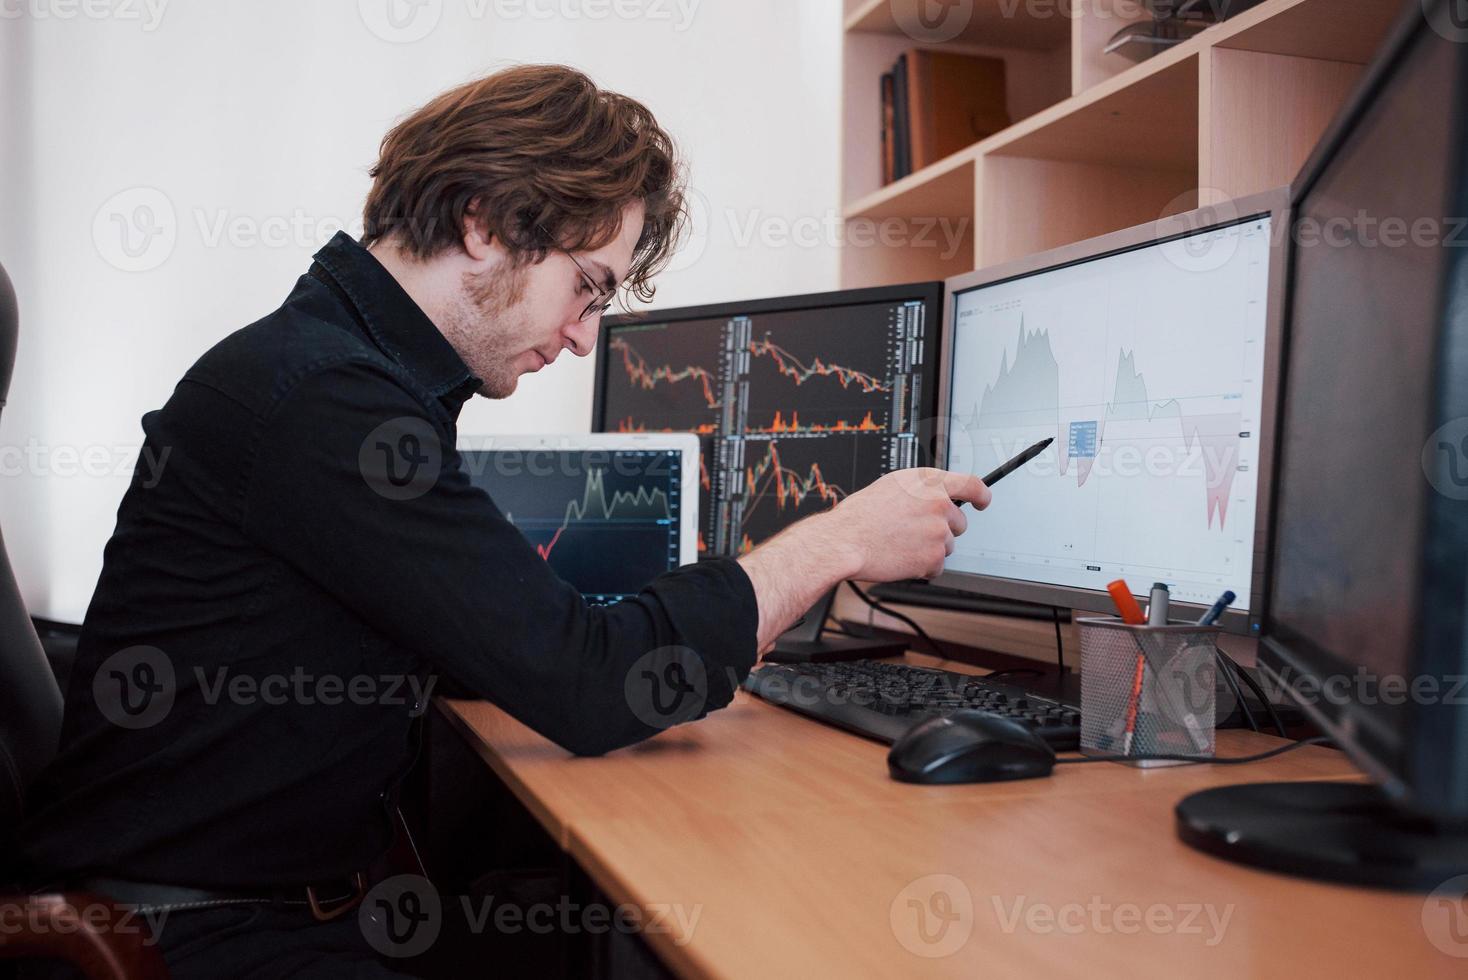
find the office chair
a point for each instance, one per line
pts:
(68, 926)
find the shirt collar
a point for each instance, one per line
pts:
(396, 324)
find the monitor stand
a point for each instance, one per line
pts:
(803, 643)
(1343, 832)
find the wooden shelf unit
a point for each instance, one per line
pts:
(1097, 142)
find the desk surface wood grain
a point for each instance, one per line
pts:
(800, 857)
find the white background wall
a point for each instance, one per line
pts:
(240, 132)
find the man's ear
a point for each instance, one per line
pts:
(478, 241)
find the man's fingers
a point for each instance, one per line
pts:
(968, 488)
(923, 482)
(957, 523)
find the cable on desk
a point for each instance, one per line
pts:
(1233, 685)
(937, 650)
(1258, 693)
(1059, 647)
(1200, 759)
(1011, 671)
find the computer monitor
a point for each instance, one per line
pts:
(797, 401)
(1366, 619)
(1150, 357)
(609, 513)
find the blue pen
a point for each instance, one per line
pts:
(1211, 616)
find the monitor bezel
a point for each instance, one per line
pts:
(1275, 204)
(685, 444)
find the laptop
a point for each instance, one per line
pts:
(610, 513)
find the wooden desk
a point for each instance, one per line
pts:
(798, 856)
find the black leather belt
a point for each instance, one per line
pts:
(326, 900)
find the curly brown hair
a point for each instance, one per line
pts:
(542, 158)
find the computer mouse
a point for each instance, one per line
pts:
(969, 747)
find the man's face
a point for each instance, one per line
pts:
(511, 321)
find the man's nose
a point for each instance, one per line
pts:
(581, 335)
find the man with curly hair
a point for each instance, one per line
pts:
(275, 607)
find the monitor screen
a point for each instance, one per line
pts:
(1147, 367)
(1365, 623)
(797, 402)
(607, 520)
(1363, 339)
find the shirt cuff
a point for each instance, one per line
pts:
(717, 615)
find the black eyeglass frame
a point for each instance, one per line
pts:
(602, 299)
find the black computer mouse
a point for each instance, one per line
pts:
(969, 747)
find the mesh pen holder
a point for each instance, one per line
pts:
(1174, 697)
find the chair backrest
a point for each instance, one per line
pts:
(30, 701)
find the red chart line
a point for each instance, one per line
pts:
(792, 367)
(788, 484)
(594, 490)
(648, 378)
(545, 550)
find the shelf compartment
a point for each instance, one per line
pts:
(993, 23)
(1031, 205)
(1035, 81)
(1251, 139)
(945, 188)
(1332, 30)
(938, 209)
(1095, 25)
(1147, 117)
(1122, 154)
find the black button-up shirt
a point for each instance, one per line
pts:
(299, 558)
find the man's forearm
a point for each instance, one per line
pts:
(794, 569)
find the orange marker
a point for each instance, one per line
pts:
(1132, 705)
(1121, 594)
(1131, 613)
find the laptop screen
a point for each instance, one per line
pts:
(607, 520)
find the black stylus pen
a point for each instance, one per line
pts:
(1013, 465)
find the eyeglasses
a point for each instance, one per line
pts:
(602, 297)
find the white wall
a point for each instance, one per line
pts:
(247, 127)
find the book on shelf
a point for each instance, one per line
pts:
(888, 156)
(942, 102)
(901, 149)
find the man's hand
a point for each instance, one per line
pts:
(904, 524)
(901, 526)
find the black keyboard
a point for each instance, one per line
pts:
(883, 700)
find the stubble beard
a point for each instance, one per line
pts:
(488, 327)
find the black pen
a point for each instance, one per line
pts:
(1013, 464)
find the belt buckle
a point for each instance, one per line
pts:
(359, 884)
